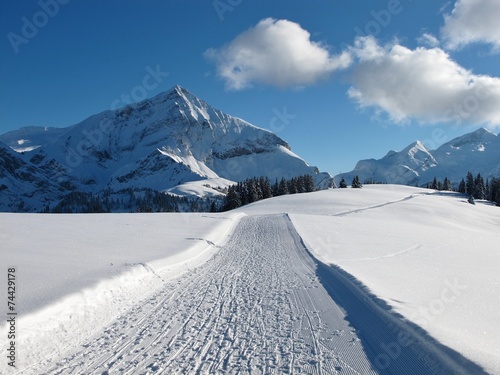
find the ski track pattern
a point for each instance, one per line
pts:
(256, 307)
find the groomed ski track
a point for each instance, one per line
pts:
(261, 305)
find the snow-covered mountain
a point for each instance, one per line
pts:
(23, 185)
(478, 152)
(160, 143)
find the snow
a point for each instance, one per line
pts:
(31, 137)
(75, 273)
(211, 187)
(431, 256)
(239, 291)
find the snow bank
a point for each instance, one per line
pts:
(76, 273)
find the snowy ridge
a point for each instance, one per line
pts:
(478, 152)
(30, 138)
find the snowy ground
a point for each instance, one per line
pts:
(432, 257)
(225, 293)
(77, 273)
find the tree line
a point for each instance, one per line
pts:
(476, 187)
(127, 200)
(258, 188)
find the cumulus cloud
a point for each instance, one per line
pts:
(422, 84)
(472, 21)
(275, 52)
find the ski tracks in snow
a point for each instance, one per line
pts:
(256, 307)
(259, 306)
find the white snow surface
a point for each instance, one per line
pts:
(76, 273)
(204, 188)
(430, 255)
(240, 292)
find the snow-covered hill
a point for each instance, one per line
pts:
(477, 152)
(160, 143)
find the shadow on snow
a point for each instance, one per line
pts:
(392, 344)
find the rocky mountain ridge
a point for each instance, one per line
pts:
(160, 143)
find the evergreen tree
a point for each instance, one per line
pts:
(213, 207)
(276, 188)
(309, 183)
(495, 191)
(356, 184)
(251, 188)
(479, 190)
(447, 184)
(301, 188)
(232, 199)
(461, 186)
(342, 183)
(283, 188)
(265, 187)
(469, 183)
(434, 184)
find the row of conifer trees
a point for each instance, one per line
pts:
(258, 188)
(475, 187)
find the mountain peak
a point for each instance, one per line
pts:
(159, 143)
(179, 90)
(483, 131)
(182, 93)
(418, 145)
(477, 138)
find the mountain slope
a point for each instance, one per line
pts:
(160, 143)
(23, 185)
(31, 137)
(478, 152)
(404, 167)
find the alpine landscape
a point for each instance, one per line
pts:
(161, 235)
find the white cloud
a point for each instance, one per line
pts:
(422, 84)
(275, 52)
(428, 40)
(472, 21)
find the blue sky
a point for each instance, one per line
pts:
(339, 80)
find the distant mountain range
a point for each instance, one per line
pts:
(174, 142)
(477, 152)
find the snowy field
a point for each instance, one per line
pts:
(431, 256)
(76, 273)
(240, 291)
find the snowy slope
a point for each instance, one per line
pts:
(432, 257)
(22, 185)
(160, 143)
(76, 273)
(477, 152)
(404, 167)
